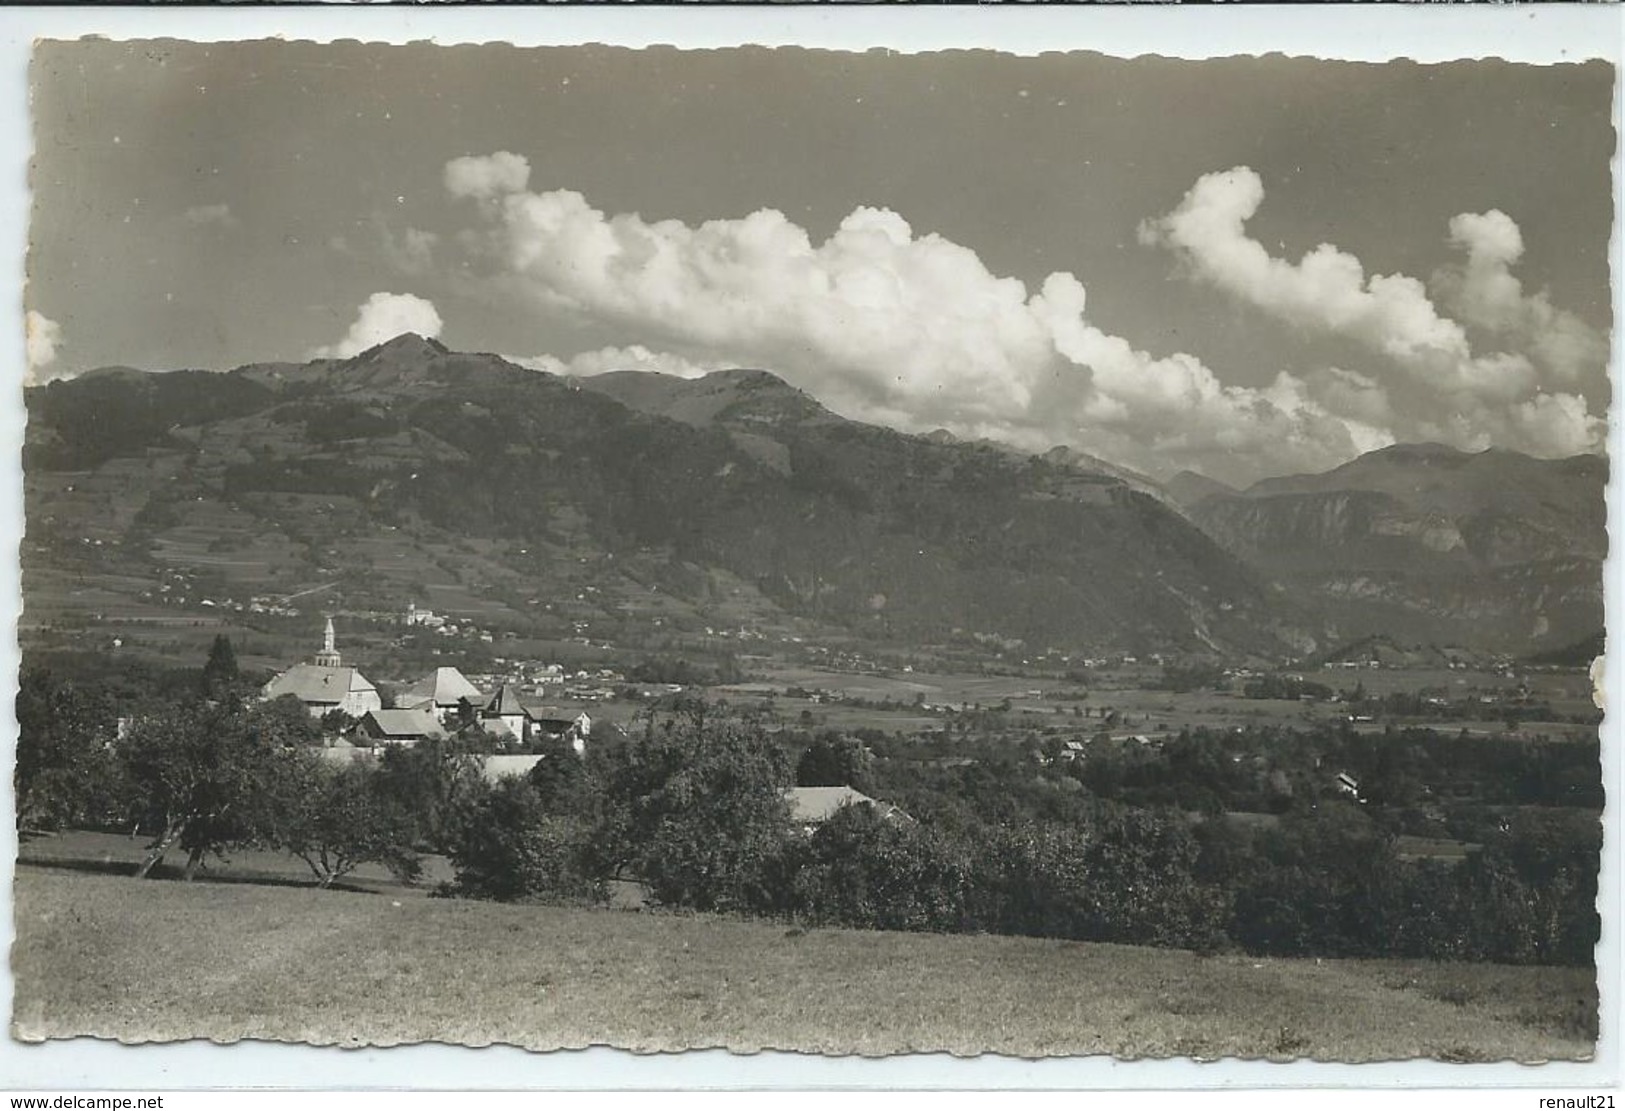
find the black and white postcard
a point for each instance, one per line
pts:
(775, 548)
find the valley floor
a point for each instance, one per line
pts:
(157, 960)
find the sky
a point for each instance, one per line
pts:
(1242, 267)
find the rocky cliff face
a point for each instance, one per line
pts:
(1495, 549)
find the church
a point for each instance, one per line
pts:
(327, 684)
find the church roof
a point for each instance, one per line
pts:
(315, 683)
(446, 687)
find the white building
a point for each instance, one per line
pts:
(426, 618)
(327, 684)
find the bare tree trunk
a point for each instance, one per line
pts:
(192, 862)
(159, 848)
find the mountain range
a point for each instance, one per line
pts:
(1423, 542)
(634, 505)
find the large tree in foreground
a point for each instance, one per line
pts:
(335, 817)
(201, 773)
(516, 846)
(697, 810)
(438, 781)
(66, 772)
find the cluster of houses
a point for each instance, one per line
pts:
(445, 700)
(434, 706)
(444, 626)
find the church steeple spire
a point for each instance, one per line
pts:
(329, 655)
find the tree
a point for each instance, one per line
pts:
(859, 869)
(286, 719)
(437, 781)
(1532, 890)
(1325, 881)
(198, 770)
(512, 846)
(335, 818)
(697, 810)
(560, 777)
(336, 723)
(1142, 887)
(387, 696)
(66, 771)
(220, 673)
(833, 760)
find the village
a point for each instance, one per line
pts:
(521, 728)
(431, 707)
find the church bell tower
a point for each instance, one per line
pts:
(329, 655)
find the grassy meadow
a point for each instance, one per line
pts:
(1133, 692)
(109, 956)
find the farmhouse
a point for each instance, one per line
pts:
(811, 807)
(507, 716)
(554, 721)
(443, 693)
(400, 727)
(327, 684)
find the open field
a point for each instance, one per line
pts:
(1141, 708)
(110, 956)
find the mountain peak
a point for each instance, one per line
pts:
(407, 345)
(746, 382)
(1187, 488)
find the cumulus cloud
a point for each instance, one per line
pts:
(913, 330)
(487, 175)
(1327, 289)
(204, 215)
(1484, 292)
(44, 337)
(1553, 423)
(635, 357)
(1465, 397)
(1353, 394)
(383, 316)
